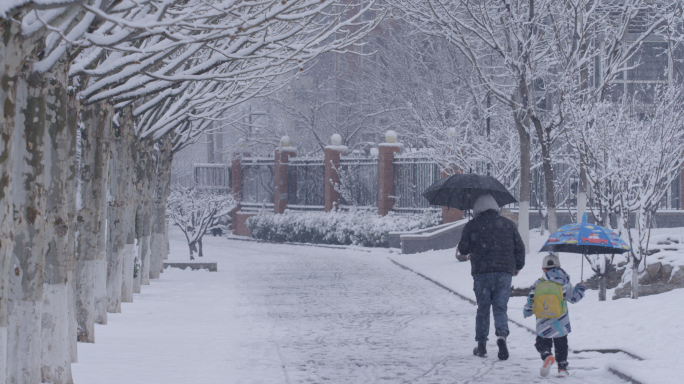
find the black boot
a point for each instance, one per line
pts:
(503, 350)
(481, 349)
(562, 368)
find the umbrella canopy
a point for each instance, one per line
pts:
(461, 191)
(585, 238)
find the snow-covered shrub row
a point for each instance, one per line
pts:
(353, 227)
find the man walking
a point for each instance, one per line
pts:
(497, 253)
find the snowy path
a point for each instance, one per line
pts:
(294, 314)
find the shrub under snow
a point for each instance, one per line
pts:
(357, 227)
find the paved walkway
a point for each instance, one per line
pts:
(295, 314)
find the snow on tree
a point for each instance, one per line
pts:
(633, 182)
(155, 72)
(196, 211)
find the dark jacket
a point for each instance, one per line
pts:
(493, 243)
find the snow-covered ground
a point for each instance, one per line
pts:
(649, 327)
(299, 314)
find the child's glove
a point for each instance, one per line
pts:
(527, 313)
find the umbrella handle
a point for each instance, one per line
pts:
(582, 273)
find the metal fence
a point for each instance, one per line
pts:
(305, 183)
(412, 176)
(565, 187)
(212, 176)
(673, 197)
(257, 180)
(358, 181)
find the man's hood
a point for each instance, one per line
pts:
(484, 203)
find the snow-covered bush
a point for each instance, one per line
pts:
(197, 211)
(357, 227)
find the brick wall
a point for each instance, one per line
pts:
(240, 223)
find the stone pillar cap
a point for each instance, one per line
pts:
(285, 141)
(336, 140)
(338, 148)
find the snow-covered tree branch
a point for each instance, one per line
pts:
(197, 211)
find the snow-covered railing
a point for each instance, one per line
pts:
(303, 208)
(257, 180)
(413, 173)
(412, 176)
(359, 181)
(212, 176)
(256, 207)
(305, 183)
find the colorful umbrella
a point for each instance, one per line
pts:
(586, 239)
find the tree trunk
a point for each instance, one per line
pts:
(582, 181)
(73, 119)
(581, 193)
(155, 258)
(635, 277)
(199, 253)
(100, 280)
(20, 170)
(143, 175)
(161, 187)
(547, 167)
(115, 217)
(602, 287)
(146, 250)
(218, 148)
(211, 155)
(524, 203)
(138, 243)
(59, 151)
(114, 246)
(11, 63)
(129, 254)
(25, 286)
(91, 269)
(167, 245)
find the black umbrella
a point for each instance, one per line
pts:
(461, 191)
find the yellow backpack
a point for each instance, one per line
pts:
(548, 302)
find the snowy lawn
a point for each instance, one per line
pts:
(649, 327)
(298, 314)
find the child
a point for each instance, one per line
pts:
(553, 320)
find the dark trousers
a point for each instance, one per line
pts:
(544, 345)
(491, 290)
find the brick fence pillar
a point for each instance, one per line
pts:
(332, 163)
(449, 215)
(386, 153)
(238, 221)
(236, 181)
(282, 156)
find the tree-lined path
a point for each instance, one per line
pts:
(295, 314)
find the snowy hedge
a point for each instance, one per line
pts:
(354, 227)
